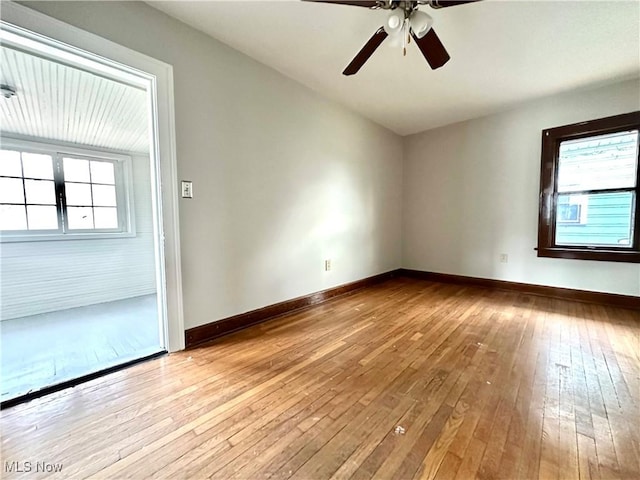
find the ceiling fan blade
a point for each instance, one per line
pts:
(449, 3)
(364, 54)
(432, 49)
(356, 3)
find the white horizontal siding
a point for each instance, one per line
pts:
(40, 277)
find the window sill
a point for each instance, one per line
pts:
(4, 238)
(627, 256)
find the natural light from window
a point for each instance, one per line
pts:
(54, 193)
(27, 192)
(594, 205)
(90, 193)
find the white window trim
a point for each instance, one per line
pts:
(56, 150)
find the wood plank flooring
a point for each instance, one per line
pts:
(408, 379)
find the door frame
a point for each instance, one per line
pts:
(112, 56)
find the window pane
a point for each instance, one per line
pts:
(11, 190)
(78, 193)
(106, 217)
(76, 170)
(600, 162)
(10, 163)
(80, 218)
(13, 217)
(36, 165)
(42, 218)
(602, 219)
(102, 172)
(104, 195)
(40, 191)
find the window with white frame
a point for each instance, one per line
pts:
(52, 193)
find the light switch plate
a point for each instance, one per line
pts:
(187, 189)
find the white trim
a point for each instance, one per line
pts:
(47, 146)
(70, 146)
(17, 37)
(80, 44)
(61, 237)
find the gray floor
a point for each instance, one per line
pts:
(47, 349)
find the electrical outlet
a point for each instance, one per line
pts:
(504, 258)
(187, 189)
(327, 265)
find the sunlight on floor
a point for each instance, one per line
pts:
(43, 350)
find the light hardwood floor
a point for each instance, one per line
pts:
(484, 383)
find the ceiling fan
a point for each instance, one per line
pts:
(407, 21)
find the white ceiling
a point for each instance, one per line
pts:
(64, 104)
(502, 52)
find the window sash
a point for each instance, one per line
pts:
(123, 205)
(120, 195)
(26, 203)
(554, 211)
(619, 247)
(603, 157)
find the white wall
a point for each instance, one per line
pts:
(40, 277)
(471, 193)
(283, 178)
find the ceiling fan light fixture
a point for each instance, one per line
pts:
(395, 41)
(395, 21)
(420, 23)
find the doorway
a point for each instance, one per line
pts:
(84, 257)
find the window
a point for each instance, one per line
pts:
(589, 194)
(53, 193)
(90, 194)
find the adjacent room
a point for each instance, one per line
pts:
(78, 289)
(359, 239)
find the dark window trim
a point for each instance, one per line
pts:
(551, 139)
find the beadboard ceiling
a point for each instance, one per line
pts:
(60, 103)
(503, 53)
